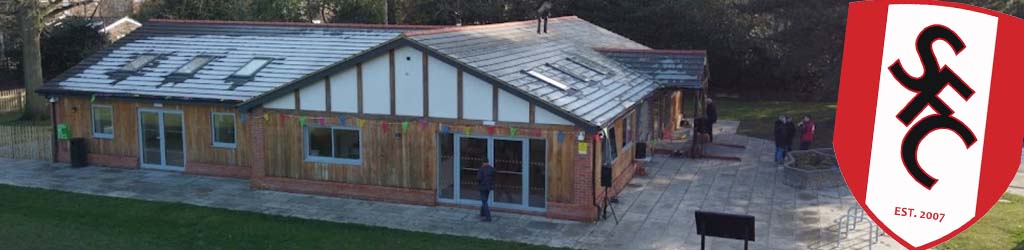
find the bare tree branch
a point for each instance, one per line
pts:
(55, 8)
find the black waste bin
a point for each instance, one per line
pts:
(641, 150)
(78, 152)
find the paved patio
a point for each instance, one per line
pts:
(656, 211)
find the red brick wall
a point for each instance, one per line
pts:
(218, 170)
(366, 192)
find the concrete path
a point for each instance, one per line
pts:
(656, 210)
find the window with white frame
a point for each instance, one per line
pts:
(223, 130)
(102, 121)
(340, 145)
(627, 123)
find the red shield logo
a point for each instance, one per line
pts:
(927, 132)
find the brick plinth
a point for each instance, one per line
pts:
(114, 161)
(218, 170)
(366, 192)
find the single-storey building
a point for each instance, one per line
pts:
(382, 112)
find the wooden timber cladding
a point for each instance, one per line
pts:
(77, 113)
(395, 159)
(625, 159)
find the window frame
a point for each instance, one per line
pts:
(124, 68)
(92, 113)
(254, 72)
(610, 149)
(213, 130)
(628, 127)
(331, 160)
(547, 79)
(209, 59)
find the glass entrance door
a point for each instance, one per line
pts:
(508, 162)
(515, 187)
(161, 140)
(472, 153)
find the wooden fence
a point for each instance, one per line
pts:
(26, 141)
(12, 100)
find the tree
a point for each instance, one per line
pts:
(32, 16)
(68, 42)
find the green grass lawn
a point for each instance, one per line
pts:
(44, 219)
(1001, 228)
(757, 118)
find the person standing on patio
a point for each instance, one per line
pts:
(790, 133)
(781, 139)
(711, 112)
(485, 183)
(806, 132)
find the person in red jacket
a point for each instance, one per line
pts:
(806, 132)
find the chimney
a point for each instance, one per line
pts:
(542, 17)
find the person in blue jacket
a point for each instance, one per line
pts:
(485, 183)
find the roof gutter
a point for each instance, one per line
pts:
(65, 92)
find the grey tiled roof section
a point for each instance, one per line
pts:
(295, 51)
(506, 51)
(670, 68)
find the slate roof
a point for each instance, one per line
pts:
(673, 68)
(296, 49)
(600, 88)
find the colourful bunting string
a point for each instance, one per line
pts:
(405, 127)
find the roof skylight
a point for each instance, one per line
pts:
(591, 65)
(548, 80)
(250, 69)
(139, 62)
(193, 66)
(566, 71)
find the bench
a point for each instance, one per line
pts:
(723, 225)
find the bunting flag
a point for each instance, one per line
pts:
(491, 130)
(384, 126)
(320, 121)
(244, 117)
(341, 120)
(561, 136)
(423, 123)
(405, 127)
(266, 117)
(361, 123)
(467, 130)
(511, 131)
(281, 117)
(302, 121)
(93, 99)
(444, 129)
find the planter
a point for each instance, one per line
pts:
(812, 169)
